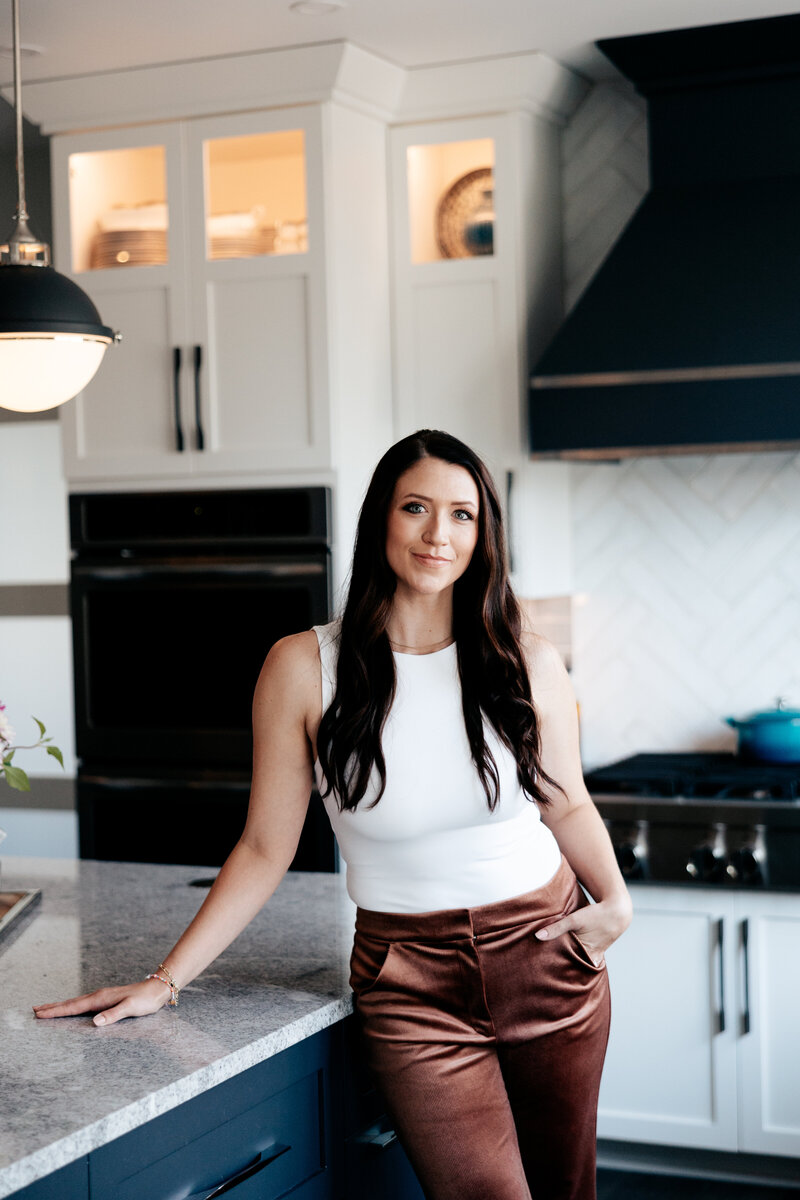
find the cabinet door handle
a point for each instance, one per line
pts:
(509, 530)
(176, 397)
(264, 1159)
(198, 362)
(746, 954)
(721, 968)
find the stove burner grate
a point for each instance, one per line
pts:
(697, 776)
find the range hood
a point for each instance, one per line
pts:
(688, 337)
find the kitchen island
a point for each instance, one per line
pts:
(268, 1019)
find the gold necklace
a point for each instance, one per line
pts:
(423, 649)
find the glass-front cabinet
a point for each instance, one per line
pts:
(450, 199)
(457, 282)
(255, 194)
(201, 241)
(119, 215)
(254, 201)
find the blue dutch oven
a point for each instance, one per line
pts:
(770, 736)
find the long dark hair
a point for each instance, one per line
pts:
(486, 625)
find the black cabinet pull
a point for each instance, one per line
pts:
(746, 952)
(376, 1138)
(721, 960)
(176, 394)
(198, 362)
(509, 490)
(264, 1159)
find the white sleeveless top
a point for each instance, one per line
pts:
(431, 842)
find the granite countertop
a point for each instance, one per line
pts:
(69, 1086)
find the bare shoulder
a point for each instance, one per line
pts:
(291, 673)
(545, 664)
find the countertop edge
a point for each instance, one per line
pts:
(68, 1149)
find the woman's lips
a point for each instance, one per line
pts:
(431, 560)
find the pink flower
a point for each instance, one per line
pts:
(7, 734)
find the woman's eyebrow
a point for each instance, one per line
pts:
(428, 500)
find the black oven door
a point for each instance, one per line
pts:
(167, 651)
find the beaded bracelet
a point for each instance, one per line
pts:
(174, 992)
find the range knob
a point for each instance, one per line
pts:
(630, 847)
(748, 860)
(708, 860)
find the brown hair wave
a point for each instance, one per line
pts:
(486, 625)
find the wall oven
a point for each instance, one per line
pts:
(176, 599)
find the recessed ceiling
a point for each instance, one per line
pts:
(108, 35)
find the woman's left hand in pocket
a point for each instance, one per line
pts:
(596, 926)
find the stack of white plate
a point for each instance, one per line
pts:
(128, 248)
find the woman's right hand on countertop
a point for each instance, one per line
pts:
(112, 1003)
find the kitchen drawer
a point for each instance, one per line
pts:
(282, 1132)
(269, 1119)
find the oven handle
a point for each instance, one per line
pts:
(265, 570)
(180, 445)
(124, 783)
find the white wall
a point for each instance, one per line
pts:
(686, 568)
(35, 652)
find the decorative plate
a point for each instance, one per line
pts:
(462, 201)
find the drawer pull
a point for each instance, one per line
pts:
(376, 1138)
(264, 1159)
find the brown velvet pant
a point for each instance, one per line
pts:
(488, 1044)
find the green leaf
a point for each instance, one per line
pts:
(9, 756)
(56, 753)
(41, 726)
(17, 778)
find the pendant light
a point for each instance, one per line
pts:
(52, 339)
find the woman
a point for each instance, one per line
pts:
(461, 813)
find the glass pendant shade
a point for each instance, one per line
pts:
(52, 339)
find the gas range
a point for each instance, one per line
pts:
(702, 819)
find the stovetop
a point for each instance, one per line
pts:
(697, 777)
(702, 819)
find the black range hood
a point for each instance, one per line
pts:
(688, 337)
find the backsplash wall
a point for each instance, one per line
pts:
(687, 573)
(686, 568)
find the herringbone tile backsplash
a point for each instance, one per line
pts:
(686, 568)
(687, 574)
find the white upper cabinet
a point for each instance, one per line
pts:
(454, 284)
(246, 225)
(476, 273)
(477, 294)
(202, 242)
(129, 415)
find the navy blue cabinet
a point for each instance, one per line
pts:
(306, 1123)
(263, 1133)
